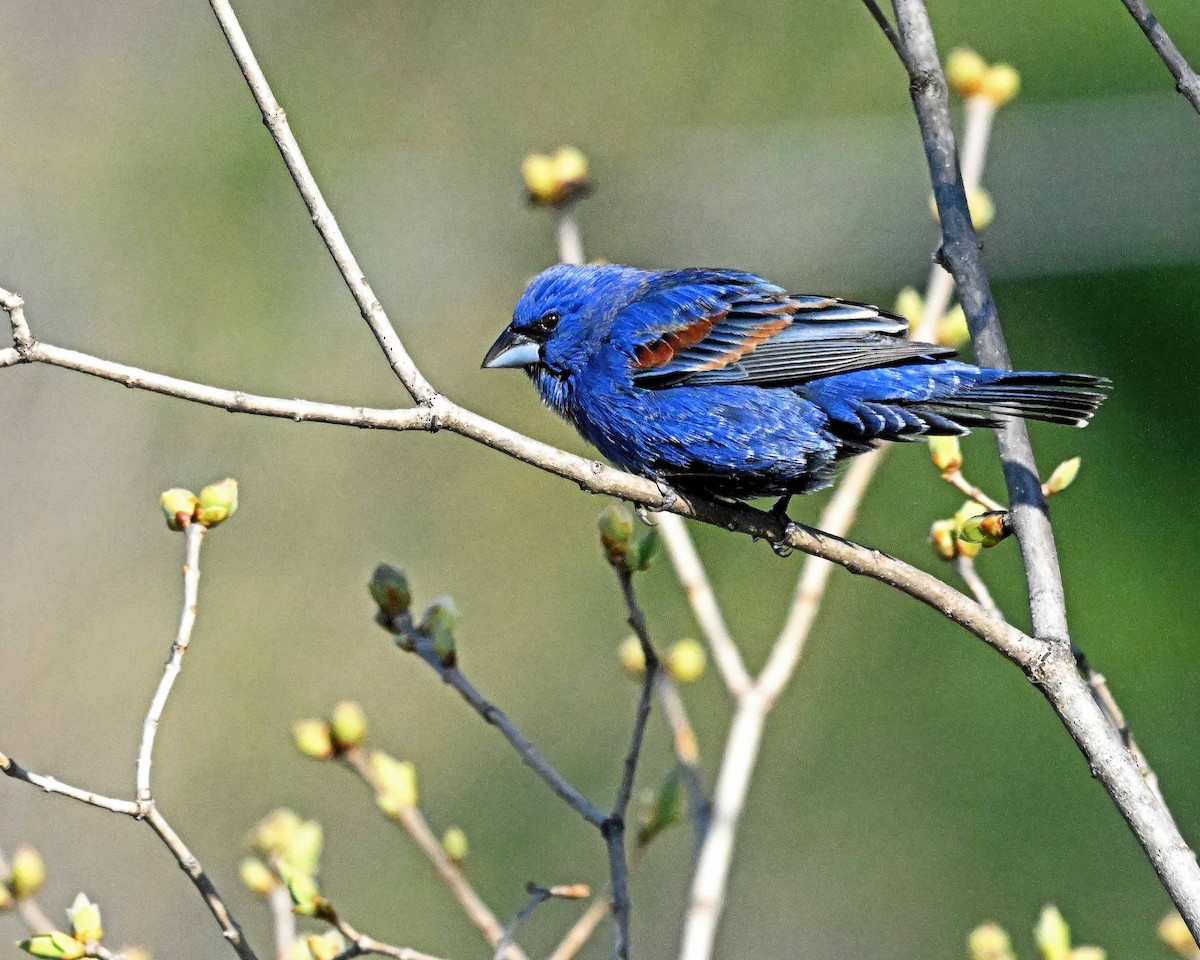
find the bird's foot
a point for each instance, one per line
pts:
(669, 499)
(779, 512)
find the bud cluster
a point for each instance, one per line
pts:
(555, 179)
(216, 503)
(326, 739)
(624, 550)
(288, 851)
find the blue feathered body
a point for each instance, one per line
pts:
(721, 382)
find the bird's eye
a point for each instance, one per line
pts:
(544, 325)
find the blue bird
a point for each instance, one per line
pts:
(721, 383)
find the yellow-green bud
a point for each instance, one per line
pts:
(325, 946)
(299, 950)
(454, 842)
(53, 946)
(965, 71)
(946, 453)
(556, 179)
(1063, 476)
(313, 739)
(1000, 84)
(952, 330)
(218, 502)
(396, 781)
(909, 304)
(980, 206)
(257, 876)
(390, 590)
(989, 942)
(303, 890)
(631, 655)
(986, 529)
(303, 850)
(1088, 953)
(616, 532)
(943, 537)
(663, 809)
(639, 554)
(1173, 931)
(348, 725)
(274, 832)
(969, 509)
(685, 661)
(1052, 935)
(84, 917)
(179, 507)
(28, 872)
(437, 623)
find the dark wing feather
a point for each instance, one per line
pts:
(756, 334)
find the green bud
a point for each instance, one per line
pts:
(986, 529)
(28, 873)
(218, 502)
(664, 810)
(396, 781)
(437, 623)
(390, 591)
(454, 842)
(274, 832)
(639, 555)
(686, 660)
(84, 917)
(179, 507)
(347, 724)
(325, 946)
(1052, 935)
(306, 897)
(313, 739)
(257, 876)
(946, 453)
(943, 536)
(1062, 477)
(303, 851)
(631, 655)
(53, 946)
(989, 942)
(616, 532)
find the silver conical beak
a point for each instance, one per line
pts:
(512, 349)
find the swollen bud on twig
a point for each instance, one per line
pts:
(396, 781)
(989, 942)
(1052, 935)
(28, 873)
(437, 623)
(946, 453)
(556, 179)
(1063, 476)
(980, 206)
(663, 810)
(179, 506)
(1000, 84)
(685, 661)
(986, 529)
(390, 590)
(571, 891)
(54, 946)
(952, 329)
(616, 532)
(632, 656)
(1173, 931)
(257, 876)
(347, 725)
(313, 739)
(306, 897)
(84, 917)
(965, 70)
(303, 850)
(218, 502)
(454, 842)
(943, 537)
(325, 946)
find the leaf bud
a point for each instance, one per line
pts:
(218, 502)
(53, 946)
(1063, 476)
(313, 739)
(303, 890)
(396, 781)
(179, 507)
(437, 623)
(454, 842)
(347, 725)
(1000, 84)
(631, 656)
(616, 532)
(664, 809)
(303, 849)
(1173, 931)
(390, 590)
(84, 917)
(639, 554)
(325, 946)
(257, 876)
(943, 536)
(946, 453)
(1052, 935)
(1088, 953)
(986, 529)
(28, 872)
(989, 942)
(952, 329)
(556, 179)
(909, 304)
(686, 660)
(965, 71)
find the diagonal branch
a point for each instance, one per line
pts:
(1186, 80)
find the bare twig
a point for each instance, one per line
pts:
(956, 479)
(537, 896)
(193, 538)
(570, 239)
(965, 568)
(1186, 80)
(11, 768)
(1059, 680)
(885, 25)
(276, 121)
(417, 827)
(362, 945)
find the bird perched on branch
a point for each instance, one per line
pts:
(721, 383)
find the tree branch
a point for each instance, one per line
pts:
(1186, 80)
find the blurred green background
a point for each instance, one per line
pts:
(911, 786)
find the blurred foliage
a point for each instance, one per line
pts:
(910, 783)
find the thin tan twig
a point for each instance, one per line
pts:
(362, 945)
(956, 479)
(283, 921)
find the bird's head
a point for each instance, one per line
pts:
(562, 317)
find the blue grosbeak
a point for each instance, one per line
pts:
(722, 383)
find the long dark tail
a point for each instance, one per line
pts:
(996, 395)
